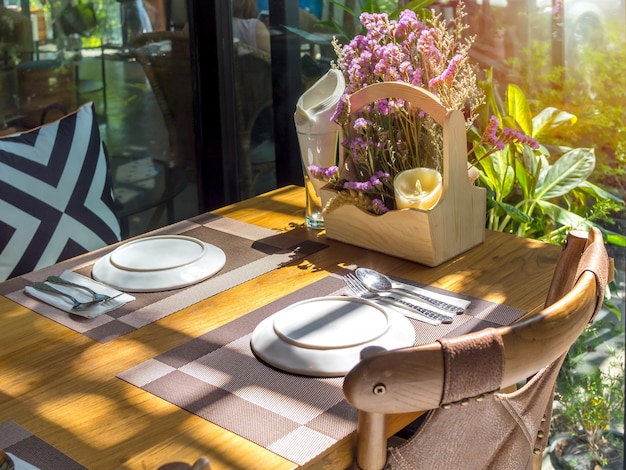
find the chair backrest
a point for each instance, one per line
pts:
(165, 59)
(17, 33)
(176, 14)
(470, 422)
(253, 82)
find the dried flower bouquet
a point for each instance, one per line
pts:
(390, 136)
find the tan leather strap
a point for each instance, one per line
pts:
(473, 365)
(594, 259)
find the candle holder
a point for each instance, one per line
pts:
(417, 188)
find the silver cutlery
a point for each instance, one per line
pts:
(378, 282)
(413, 311)
(77, 305)
(63, 282)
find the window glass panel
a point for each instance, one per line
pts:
(567, 54)
(253, 98)
(58, 54)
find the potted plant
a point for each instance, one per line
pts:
(589, 406)
(541, 192)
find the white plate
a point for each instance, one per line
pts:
(324, 336)
(159, 263)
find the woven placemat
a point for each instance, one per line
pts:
(30, 448)
(217, 377)
(250, 252)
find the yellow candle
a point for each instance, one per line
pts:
(417, 188)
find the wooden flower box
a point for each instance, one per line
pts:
(453, 226)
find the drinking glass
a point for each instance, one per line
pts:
(318, 136)
(318, 149)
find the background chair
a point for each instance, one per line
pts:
(165, 59)
(16, 45)
(176, 14)
(253, 82)
(472, 422)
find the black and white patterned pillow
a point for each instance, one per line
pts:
(55, 198)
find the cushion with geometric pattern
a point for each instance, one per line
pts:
(55, 197)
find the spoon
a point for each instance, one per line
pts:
(378, 282)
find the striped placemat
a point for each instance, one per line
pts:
(250, 252)
(217, 377)
(20, 442)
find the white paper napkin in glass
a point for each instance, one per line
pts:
(81, 295)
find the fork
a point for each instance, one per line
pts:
(423, 314)
(96, 297)
(78, 305)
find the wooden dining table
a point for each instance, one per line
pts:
(63, 387)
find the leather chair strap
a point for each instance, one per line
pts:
(594, 260)
(472, 366)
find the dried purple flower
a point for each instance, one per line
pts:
(386, 137)
(324, 174)
(513, 136)
(379, 207)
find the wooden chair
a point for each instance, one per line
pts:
(165, 59)
(472, 422)
(176, 14)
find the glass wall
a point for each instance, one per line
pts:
(195, 117)
(132, 59)
(557, 51)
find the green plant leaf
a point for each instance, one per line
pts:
(514, 212)
(600, 193)
(500, 174)
(519, 109)
(487, 181)
(614, 238)
(531, 170)
(540, 166)
(564, 217)
(373, 6)
(493, 102)
(575, 222)
(567, 173)
(550, 119)
(416, 5)
(344, 7)
(332, 24)
(524, 179)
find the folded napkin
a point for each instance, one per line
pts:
(81, 295)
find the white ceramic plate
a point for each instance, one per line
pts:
(324, 336)
(159, 263)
